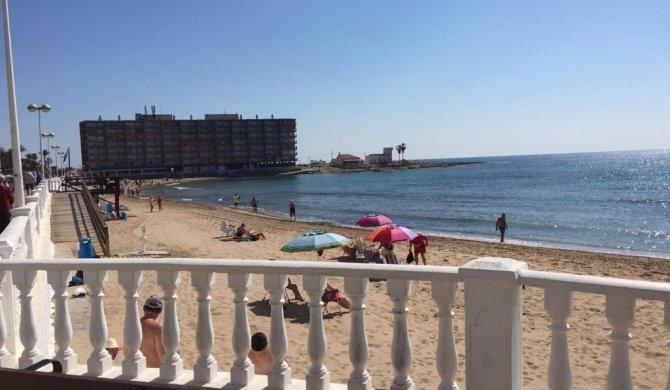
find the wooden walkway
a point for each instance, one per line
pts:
(71, 221)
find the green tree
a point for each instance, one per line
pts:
(31, 162)
(6, 158)
(399, 149)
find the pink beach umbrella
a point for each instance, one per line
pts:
(371, 220)
(391, 233)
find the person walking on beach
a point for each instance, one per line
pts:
(420, 243)
(501, 225)
(151, 204)
(152, 332)
(236, 200)
(291, 210)
(159, 200)
(254, 204)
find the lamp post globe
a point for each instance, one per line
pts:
(43, 108)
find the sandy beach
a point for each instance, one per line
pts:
(191, 230)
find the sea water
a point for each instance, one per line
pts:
(612, 202)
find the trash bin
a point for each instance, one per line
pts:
(85, 248)
(109, 208)
(123, 214)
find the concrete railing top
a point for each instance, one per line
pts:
(548, 280)
(237, 266)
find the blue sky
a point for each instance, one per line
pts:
(448, 78)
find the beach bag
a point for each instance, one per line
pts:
(410, 257)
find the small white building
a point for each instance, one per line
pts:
(380, 159)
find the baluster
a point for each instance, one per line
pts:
(401, 347)
(62, 326)
(443, 294)
(24, 281)
(279, 374)
(6, 360)
(666, 322)
(359, 379)
(318, 377)
(205, 367)
(621, 315)
(242, 371)
(558, 303)
(134, 362)
(172, 365)
(100, 360)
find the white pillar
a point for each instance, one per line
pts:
(558, 304)
(100, 360)
(172, 365)
(359, 379)
(620, 313)
(318, 377)
(242, 371)
(401, 346)
(205, 367)
(134, 362)
(6, 358)
(279, 375)
(443, 294)
(62, 324)
(24, 281)
(493, 319)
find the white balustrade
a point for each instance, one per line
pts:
(666, 322)
(318, 377)
(242, 371)
(24, 281)
(134, 362)
(205, 367)
(6, 359)
(279, 374)
(62, 324)
(558, 304)
(446, 359)
(401, 346)
(357, 289)
(620, 313)
(100, 361)
(172, 366)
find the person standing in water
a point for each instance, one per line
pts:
(254, 204)
(501, 225)
(236, 200)
(291, 209)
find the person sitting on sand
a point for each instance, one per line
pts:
(296, 292)
(260, 354)
(243, 230)
(332, 294)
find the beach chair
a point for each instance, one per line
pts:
(331, 296)
(286, 297)
(228, 230)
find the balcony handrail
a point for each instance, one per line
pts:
(642, 289)
(237, 266)
(99, 224)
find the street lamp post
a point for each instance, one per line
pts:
(48, 136)
(63, 163)
(56, 147)
(46, 108)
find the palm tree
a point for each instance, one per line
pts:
(6, 158)
(399, 149)
(402, 147)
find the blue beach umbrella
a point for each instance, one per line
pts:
(314, 241)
